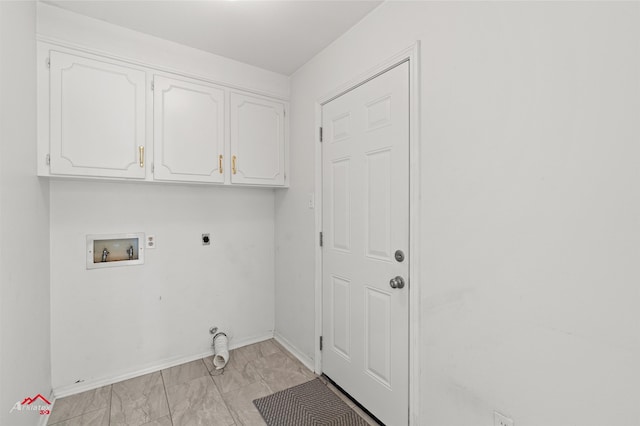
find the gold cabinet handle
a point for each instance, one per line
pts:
(141, 150)
(233, 165)
(220, 163)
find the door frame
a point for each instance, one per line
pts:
(411, 55)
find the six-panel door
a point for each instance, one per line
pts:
(365, 220)
(97, 118)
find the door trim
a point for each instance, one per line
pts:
(412, 55)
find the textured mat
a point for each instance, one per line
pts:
(308, 404)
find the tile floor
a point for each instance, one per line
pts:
(193, 393)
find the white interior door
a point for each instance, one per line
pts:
(365, 315)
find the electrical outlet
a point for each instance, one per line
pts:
(151, 241)
(501, 420)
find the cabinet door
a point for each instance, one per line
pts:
(188, 137)
(257, 135)
(97, 113)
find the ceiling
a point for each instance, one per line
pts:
(272, 34)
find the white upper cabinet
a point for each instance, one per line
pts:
(109, 118)
(258, 140)
(188, 131)
(97, 118)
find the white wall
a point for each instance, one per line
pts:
(116, 322)
(530, 204)
(24, 223)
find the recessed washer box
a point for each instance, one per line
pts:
(105, 251)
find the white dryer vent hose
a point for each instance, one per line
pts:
(220, 350)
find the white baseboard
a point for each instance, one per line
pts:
(307, 361)
(62, 391)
